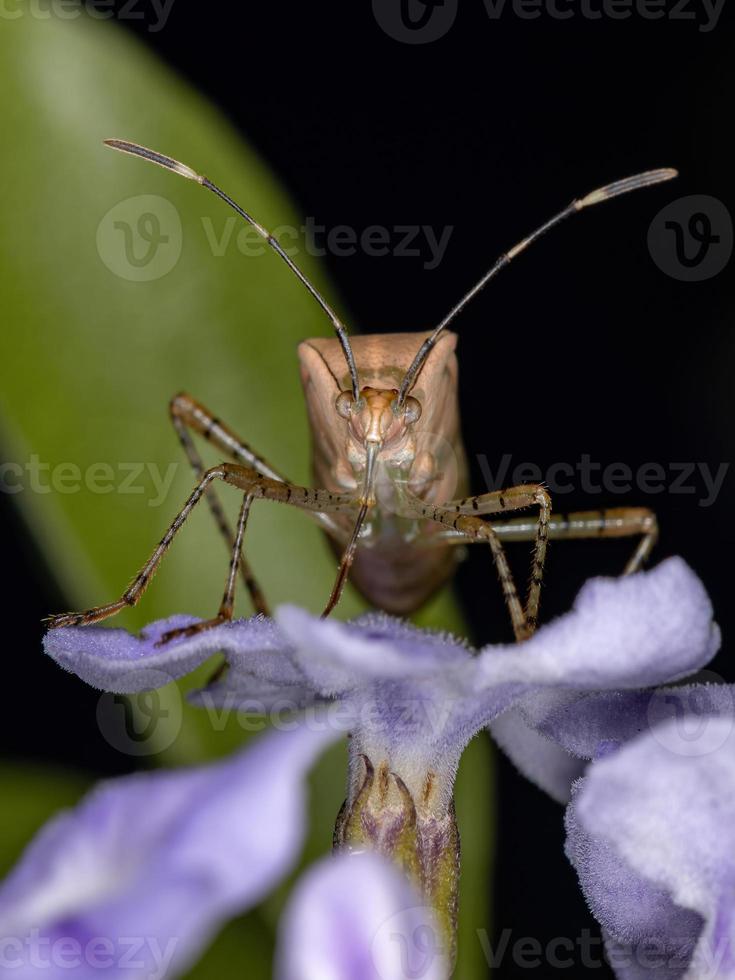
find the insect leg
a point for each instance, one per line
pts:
(516, 498)
(618, 522)
(615, 522)
(224, 615)
(346, 561)
(182, 410)
(133, 593)
(465, 527)
(312, 500)
(254, 486)
(187, 413)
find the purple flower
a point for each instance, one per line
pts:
(412, 700)
(552, 733)
(148, 867)
(357, 918)
(137, 879)
(651, 826)
(651, 832)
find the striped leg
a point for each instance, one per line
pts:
(254, 486)
(464, 527)
(516, 498)
(618, 522)
(185, 413)
(188, 414)
(228, 599)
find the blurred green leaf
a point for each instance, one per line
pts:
(243, 949)
(473, 795)
(89, 358)
(30, 796)
(92, 349)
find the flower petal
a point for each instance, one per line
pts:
(650, 628)
(335, 655)
(414, 699)
(659, 825)
(635, 913)
(354, 917)
(588, 725)
(540, 760)
(117, 661)
(164, 857)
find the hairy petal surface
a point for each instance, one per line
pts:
(540, 760)
(651, 628)
(596, 723)
(652, 835)
(621, 635)
(123, 663)
(414, 699)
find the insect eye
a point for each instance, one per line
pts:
(412, 411)
(345, 404)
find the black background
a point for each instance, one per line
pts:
(582, 346)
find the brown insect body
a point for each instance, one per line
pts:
(387, 458)
(393, 567)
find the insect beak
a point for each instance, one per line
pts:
(372, 449)
(378, 421)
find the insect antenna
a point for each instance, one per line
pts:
(181, 168)
(606, 193)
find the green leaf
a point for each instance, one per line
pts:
(473, 795)
(120, 288)
(31, 795)
(89, 358)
